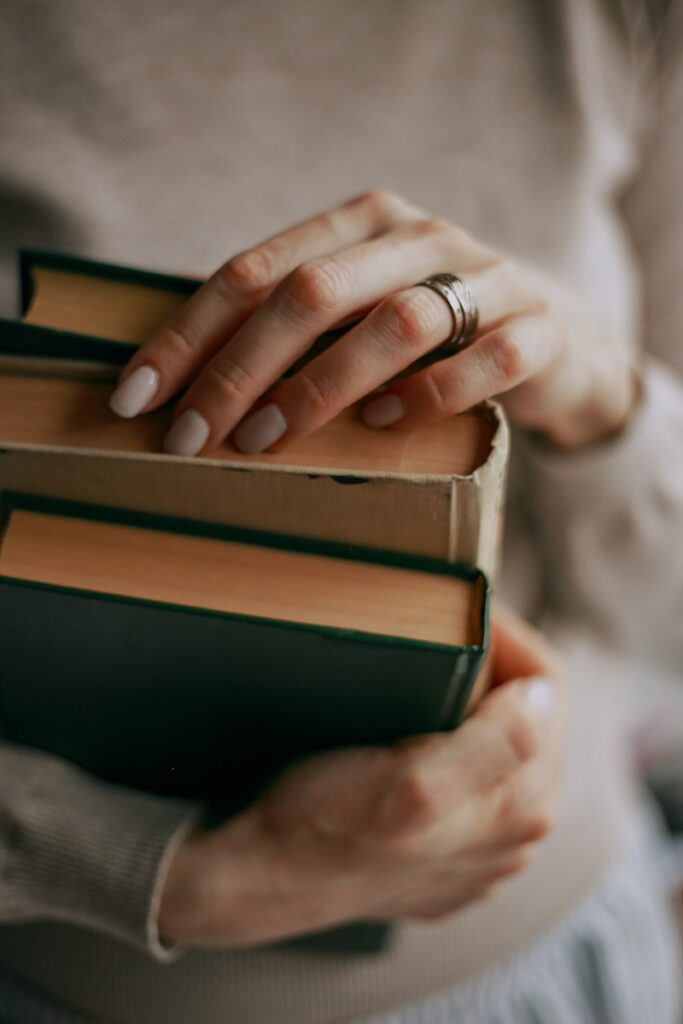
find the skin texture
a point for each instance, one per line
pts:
(423, 828)
(556, 366)
(416, 830)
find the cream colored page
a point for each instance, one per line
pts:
(232, 577)
(73, 413)
(104, 308)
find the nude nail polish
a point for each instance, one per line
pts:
(188, 435)
(135, 392)
(383, 411)
(260, 430)
(538, 696)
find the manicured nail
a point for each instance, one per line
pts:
(260, 430)
(538, 696)
(188, 435)
(383, 411)
(135, 392)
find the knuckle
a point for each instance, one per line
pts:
(520, 813)
(383, 202)
(415, 801)
(509, 805)
(175, 339)
(507, 356)
(313, 286)
(540, 825)
(230, 380)
(332, 221)
(248, 273)
(412, 318)
(439, 395)
(409, 808)
(316, 392)
(435, 227)
(515, 806)
(519, 734)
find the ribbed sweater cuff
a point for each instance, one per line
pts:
(79, 850)
(605, 476)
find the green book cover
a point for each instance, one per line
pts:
(193, 703)
(18, 337)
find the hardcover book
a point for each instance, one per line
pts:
(169, 622)
(195, 660)
(436, 491)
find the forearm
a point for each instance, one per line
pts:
(212, 885)
(76, 849)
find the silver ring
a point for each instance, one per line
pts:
(461, 304)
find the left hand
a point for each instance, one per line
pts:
(557, 367)
(414, 830)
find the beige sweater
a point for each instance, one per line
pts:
(171, 134)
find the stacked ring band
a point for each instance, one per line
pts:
(461, 304)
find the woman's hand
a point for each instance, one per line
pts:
(557, 366)
(411, 831)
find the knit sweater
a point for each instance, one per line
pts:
(171, 135)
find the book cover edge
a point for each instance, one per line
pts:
(11, 501)
(30, 257)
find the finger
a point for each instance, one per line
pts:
(314, 297)
(518, 650)
(434, 910)
(465, 885)
(408, 324)
(522, 807)
(531, 830)
(517, 804)
(496, 362)
(402, 328)
(173, 356)
(405, 326)
(444, 776)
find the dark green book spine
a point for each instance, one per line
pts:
(31, 258)
(22, 339)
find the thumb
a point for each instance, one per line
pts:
(518, 650)
(447, 773)
(506, 730)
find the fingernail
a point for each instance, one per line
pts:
(384, 411)
(538, 695)
(260, 430)
(135, 392)
(188, 435)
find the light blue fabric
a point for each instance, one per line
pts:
(615, 960)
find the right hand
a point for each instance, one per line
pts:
(416, 830)
(555, 364)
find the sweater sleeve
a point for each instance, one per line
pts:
(610, 518)
(79, 850)
(610, 521)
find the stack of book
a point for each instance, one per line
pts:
(188, 626)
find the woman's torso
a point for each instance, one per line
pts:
(173, 134)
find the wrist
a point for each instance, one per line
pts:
(208, 884)
(179, 896)
(600, 417)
